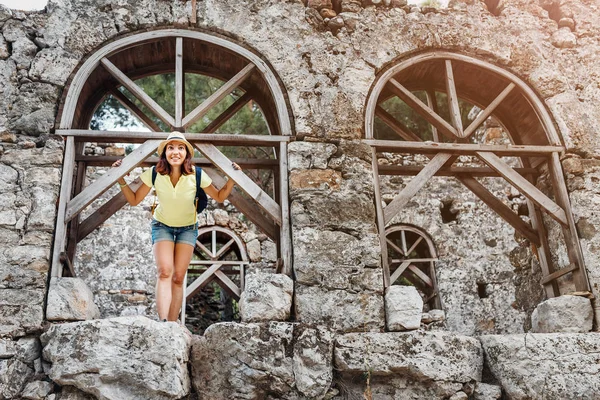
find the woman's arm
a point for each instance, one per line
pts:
(221, 195)
(133, 198)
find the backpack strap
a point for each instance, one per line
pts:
(153, 175)
(198, 181)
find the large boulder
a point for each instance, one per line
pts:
(266, 297)
(69, 299)
(545, 366)
(14, 374)
(120, 358)
(403, 308)
(569, 314)
(423, 356)
(254, 361)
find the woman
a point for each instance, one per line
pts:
(175, 225)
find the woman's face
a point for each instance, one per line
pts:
(175, 153)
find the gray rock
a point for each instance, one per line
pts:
(69, 299)
(484, 391)
(23, 51)
(313, 353)
(37, 390)
(8, 348)
(53, 65)
(21, 311)
(14, 374)
(340, 310)
(437, 356)
(403, 308)
(307, 155)
(28, 349)
(43, 212)
(544, 365)
(266, 297)
(35, 123)
(569, 314)
(233, 361)
(72, 393)
(564, 38)
(254, 251)
(118, 358)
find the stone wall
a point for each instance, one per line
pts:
(327, 61)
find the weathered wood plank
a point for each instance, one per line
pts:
(423, 276)
(422, 109)
(263, 200)
(101, 185)
(557, 274)
(401, 268)
(415, 185)
(409, 170)
(462, 148)
(432, 103)
(135, 110)
(380, 221)
(227, 284)
(398, 127)
(575, 253)
(227, 114)
(453, 100)
(66, 185)
(179, 82)
(248, 163)
(141, 137)
(138, 92)
(201, 281)
(250, 210)
(480, 119)
(105, 211)
(500, 208)
(524, 186)
(217, 96)
(285, 234)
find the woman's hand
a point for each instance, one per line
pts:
(236, 167)
(117, 163)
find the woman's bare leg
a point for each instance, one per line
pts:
(164, 254)
(183, 255)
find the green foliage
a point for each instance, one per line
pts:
(430, 3)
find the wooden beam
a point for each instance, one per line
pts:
(179, 82)
(227, 114)
(217, 96)
(250, 210)
(401, 268)
(432, 103)
(421, 108)
(135, 110)
(452, 97)
(462, 148)
(228, 285)
(524, 186)
(60, 234)
(398, 127)
(557, 274)
(574, 251)
(220, 139)
(411, 170)
(72, 239)
(105, 211)
(263, 200)
(415, 185)
(101, 185)
(248, 163)
(480, 119)
(138, 92)
(500, 208)
(285, 233)
(201, 281)
(423, 276)
(380, 221)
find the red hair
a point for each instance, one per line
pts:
(164, 168)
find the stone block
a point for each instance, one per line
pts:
(544, 365)
(251, 361)
(484, 391)
(340, 310)
(403, 308)
(120, 358)
(313, 350)
(37, 390)
(315, 179)
(424, 356)
(266, 297)
(309, 155)
(14, 374)
(569, 314)
(69, 299)
(8, 348)
(53, 65)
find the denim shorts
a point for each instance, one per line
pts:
(181, 234)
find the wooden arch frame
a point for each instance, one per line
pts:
(271, 215)
(533, 152)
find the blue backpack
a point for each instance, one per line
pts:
(201, 200)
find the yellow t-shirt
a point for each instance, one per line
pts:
(175, 204)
